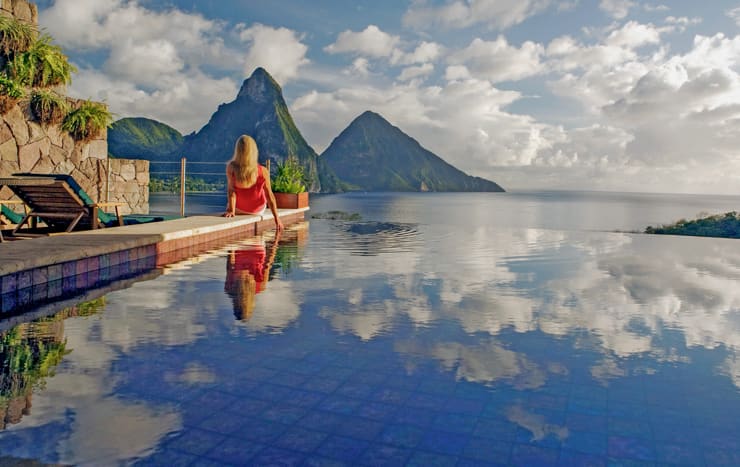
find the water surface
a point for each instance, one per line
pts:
(428, 333)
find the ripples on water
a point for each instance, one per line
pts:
(406, 338)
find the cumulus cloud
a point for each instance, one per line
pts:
(278, 50)
(498, 61)
(168, 65)
(371, 42)
(734, 13)
(618, 9)
(416, 72)
(497, 14)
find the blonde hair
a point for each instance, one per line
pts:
(244, 163)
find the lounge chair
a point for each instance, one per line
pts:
(8, 217)
(60, 202)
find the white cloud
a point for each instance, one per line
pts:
(498, 61)
(278, 50)
(735, 15)
(155, 62)
(371, 42)
(416, 72)
(618, 9)
(633, 35)
(498, 14)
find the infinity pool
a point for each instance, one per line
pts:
(394, 343)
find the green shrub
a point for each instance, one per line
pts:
(10, 93)
(87, 121)
(48, 107)
(43, 65)
(290, 177)
(15, 36)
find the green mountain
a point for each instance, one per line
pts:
(143, 138)
(373, 155)
(259, 110)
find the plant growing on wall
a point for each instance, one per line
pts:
(87, 121)
(48, 107)
(290, 177)
(43, 65)
(15, 36)
(10, 93)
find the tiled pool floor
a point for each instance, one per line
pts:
(373, 348)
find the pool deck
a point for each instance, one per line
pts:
(53, 267)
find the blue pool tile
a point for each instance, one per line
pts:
(390, 395)
(323, 385)
(9, 283)
(384, 455)
(361, 428)
(322, 421)
(261, 431)
(250, 406)
(223, 422)
(681, 454)
(631, 428)
(488, 450)
(524, 454)
(320, 461)
(355, 390)
(431, 459)
(584, 422)
(580, 459)
(340, 404)
(283, 413)
(24, 297)
(9, 302)
(258, 373)
(278, 456)
(407, 436)
(54, 289)
(300, 439)
(377, 411)
(307, 399)
(234, 451)
(716, 457)
(464, 406)
(167, 458)
(342, 448)
(216, 400)
(586, 442)
(455, 423)
(195, 441)
(272, 392)
(631, 448)
(414, 416)
(438, 387)
(443, 442)
(495, 429)
(547, 401)
(426, 401)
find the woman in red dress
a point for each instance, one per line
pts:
(249, 190)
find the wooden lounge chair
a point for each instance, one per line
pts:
(8, 217)
(59, 202)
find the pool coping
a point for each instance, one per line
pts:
(54, 267)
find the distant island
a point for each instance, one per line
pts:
(725, 225)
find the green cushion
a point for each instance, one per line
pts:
(12, 216)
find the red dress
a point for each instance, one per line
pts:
(251, 199)
(251, 260)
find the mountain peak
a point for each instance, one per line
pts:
(260, 86)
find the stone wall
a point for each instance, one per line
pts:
(21, 9)
(128, 182)
(27, 146)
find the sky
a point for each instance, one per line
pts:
(614, 95)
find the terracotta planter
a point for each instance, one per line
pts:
(291, 200)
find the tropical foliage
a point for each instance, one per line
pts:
(721, 225)
(10, 93)
(15, 36)
(43, 65)
(48, 106)
(289, 177)
(87, 121)
(172, 185)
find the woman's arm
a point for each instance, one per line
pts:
(271, 199)
(230, 194)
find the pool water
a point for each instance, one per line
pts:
(394, 340)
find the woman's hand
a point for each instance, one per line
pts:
(278, 225)
(229, 214)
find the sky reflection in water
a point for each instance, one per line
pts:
(363, 322)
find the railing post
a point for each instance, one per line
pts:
(182, 186)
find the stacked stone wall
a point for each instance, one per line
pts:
(27, 146)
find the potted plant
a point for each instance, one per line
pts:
(289, 185)
(87, 121)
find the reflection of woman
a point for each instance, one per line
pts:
(247, 273)
(248, 183)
